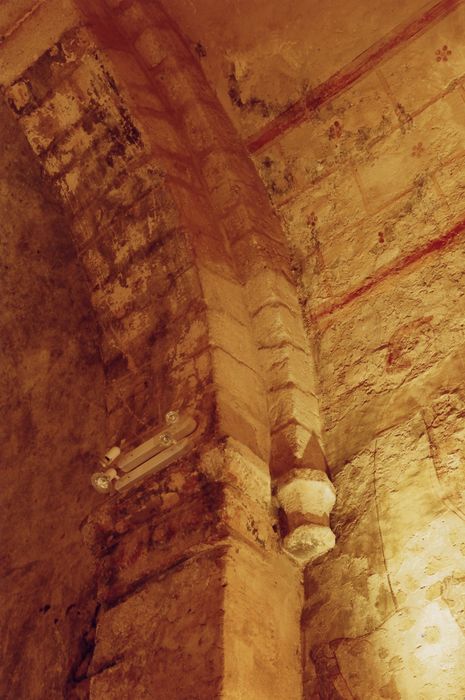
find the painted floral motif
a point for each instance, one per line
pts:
(335, 130)
(418, 150)
(443, 53)
(312, 219)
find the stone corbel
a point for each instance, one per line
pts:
(306, 497)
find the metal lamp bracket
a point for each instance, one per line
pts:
(151, 456)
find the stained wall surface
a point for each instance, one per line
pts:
(267, 55)
(155, 230)
(364, 170)
(370, 190)
(51, 430)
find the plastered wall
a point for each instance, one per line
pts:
(364, 171)
(370, 189)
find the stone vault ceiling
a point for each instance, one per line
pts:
(262, 56)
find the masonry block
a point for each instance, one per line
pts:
(291, 404)
(40, 30)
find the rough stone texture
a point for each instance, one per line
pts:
(254, 245)
(168, 517)
(151, 214)
(359, 139)
(369, 188)
(397, 571)
(166, 640)
(191, 582)
(199, 632)
(131, 192)
(262, 611)
(52, 406)
(146, 206)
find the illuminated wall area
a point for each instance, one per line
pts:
(249, 216)
(369, 186)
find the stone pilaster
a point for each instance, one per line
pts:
(197, 600)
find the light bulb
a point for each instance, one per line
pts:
(101, 482)
(171, 417)
(166, 439)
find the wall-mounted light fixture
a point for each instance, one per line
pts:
(151, 456)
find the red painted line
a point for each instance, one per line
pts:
(300, 111)
(431, 247)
